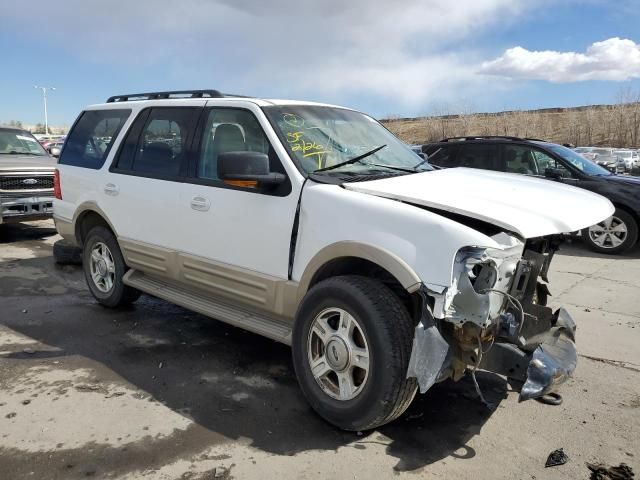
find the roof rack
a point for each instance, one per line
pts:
(481, 137)
(160, 95)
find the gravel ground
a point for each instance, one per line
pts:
(158, 392)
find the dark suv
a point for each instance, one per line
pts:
(557, 163)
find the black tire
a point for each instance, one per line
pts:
(630, 240)
(388, 330)
(119, 294)
(66, 254)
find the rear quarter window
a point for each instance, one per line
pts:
(441, 155)
(92, 137)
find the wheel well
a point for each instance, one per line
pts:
(367, 268)
(86, 222)
(630, 211)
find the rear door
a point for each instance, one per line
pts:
(141, 190)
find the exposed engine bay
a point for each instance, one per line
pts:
(494, 317)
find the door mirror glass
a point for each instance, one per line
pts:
(55, 152)
(247, 169)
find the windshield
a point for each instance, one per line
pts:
(17, 142)
(321, 137)
(586, 166)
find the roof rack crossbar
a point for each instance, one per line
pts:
(159, 95)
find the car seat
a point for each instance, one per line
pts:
(227, 137)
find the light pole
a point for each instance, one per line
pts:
(44, 99)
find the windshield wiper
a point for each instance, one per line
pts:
(400, 169)
(351, 160)
(425, 160)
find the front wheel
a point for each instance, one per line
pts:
(614, 235)
(351, 346)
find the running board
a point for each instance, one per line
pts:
(204, 304)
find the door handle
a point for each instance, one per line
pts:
(201, 204)
(111, 189)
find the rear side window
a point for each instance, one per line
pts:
(159, 146)
(479, 155)
(441, 155)
(92, 137)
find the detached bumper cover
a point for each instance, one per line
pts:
(544, 358)
(554, 360)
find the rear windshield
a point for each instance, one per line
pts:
(92, 137)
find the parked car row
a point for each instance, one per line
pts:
(614, 160)
(557, 163)
(51, 143)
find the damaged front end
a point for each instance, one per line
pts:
(494, 317)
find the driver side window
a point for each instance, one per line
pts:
(230, 130)
(544, 161)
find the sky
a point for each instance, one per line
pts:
(385, 57)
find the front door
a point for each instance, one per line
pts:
(236, 238)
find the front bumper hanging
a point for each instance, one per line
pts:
(540, 357)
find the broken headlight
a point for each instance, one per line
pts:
(481, 278)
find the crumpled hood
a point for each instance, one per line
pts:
(529, 206)
(27, 162)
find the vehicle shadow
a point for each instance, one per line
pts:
(14, 232)
(235, 384)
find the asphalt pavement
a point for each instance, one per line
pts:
(155, 391)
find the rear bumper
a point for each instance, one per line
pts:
(24, 209)
(65, 229)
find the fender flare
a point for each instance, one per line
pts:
(392, 263)
(89, 207)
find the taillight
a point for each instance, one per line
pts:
(56, 185)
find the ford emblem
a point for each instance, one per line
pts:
(29, 181)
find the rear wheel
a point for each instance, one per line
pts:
(104, 268)
(614, 235)
(351, 346)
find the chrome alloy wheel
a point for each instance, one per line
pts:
(609, 233)
(102, 268)
(338, 354)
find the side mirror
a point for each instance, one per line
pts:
(555, 173)
(55, 152)
(247, 169)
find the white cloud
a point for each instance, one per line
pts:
(390, 50)
(614, 59)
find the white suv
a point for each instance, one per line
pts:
(314, 226)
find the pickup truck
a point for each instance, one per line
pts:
(26, 177)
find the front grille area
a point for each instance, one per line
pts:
(26, 182)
